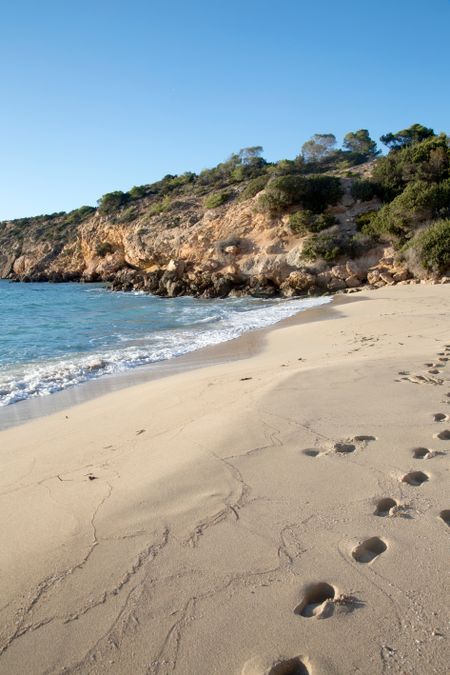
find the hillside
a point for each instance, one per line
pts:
(328, 220)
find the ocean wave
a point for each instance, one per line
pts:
(41, 379)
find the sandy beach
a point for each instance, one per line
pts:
(286, 512)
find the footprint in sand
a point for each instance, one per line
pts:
(278, 666)
(445, 515)
(434, 371)
(311, 452)
(423, 453)
(415, 478)
(369, 550)
(384, 506)
(440, 417)
(140, 431)
(317, 601)
(389, 508)
(444, 359)
(443, 435)
(344, 448)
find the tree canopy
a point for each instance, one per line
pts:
(413, 134)
(318, 147)
(359, 142)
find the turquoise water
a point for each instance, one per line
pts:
(55, 336)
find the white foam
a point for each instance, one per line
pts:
(55, 375)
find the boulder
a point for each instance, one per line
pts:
(353, 268)
(353, 281)
(323, 278)
(336, 284)
(387, 278)
(222, 286)
(373, 276)
(401, 275)
(298, 282)
(339, 271)
(294, 257)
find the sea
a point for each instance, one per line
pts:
(58, 336)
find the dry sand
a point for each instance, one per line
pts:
(222, 520)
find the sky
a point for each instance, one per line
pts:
(99, 95)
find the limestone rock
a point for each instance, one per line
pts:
(401, 275)
(339, 271)
(353, 281)
(323, 278)
(336, 284)
(387, 278)
(353, 268)
(373, 276)
(297, 282)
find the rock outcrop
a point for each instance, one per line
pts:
(233, 249)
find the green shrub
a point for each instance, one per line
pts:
(78, 215)
(417, 203)
(137, 192)
(160, 207)
(364, 190)
(253, 187)
(302, 222)
(427, 161)
(314, 193)
(321, 246)
(112, 201)
(216, 199)
(332, 245)
(433, 246)
(322, 222)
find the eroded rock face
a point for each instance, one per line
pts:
(230, 250)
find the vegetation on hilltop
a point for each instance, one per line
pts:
(407, 191)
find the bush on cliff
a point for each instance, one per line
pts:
(112, 201)
(330, 246)
(364, 190)
(321, 246)
(314, 193)
(217, 199)
(160, 207)
(254, 187)
(419, 202)
(428, 161)
(433, 246)
(78, 215)
(302, 222)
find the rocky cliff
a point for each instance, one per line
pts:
(174, 240)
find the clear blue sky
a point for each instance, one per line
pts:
(102, 95)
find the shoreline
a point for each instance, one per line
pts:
(229, 519)
(238, 348)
